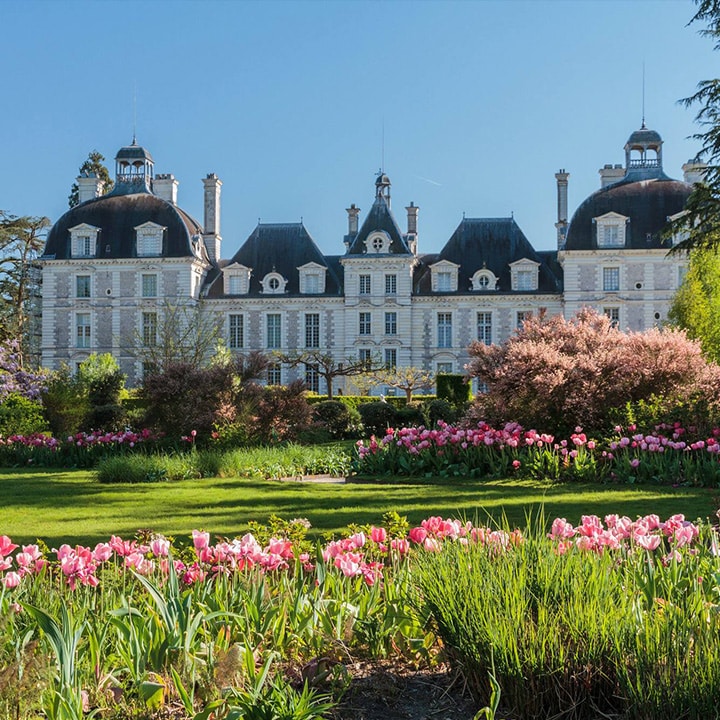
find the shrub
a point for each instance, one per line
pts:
(183, 398)
(280, 412)
(103, 382)
(440, 410)
(411, 415)
(556, 373)
(336, 418)
(65, 402)
(377, 417)
(453, 388)
(21, 416)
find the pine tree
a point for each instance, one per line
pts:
(93, 164)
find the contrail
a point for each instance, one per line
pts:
(427, 180)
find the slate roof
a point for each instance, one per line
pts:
(281, 248)
(379, 218)
(117, 215)
(133, 152)
(648, 204)
(493, 243)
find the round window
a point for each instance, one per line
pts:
(273, 283)
(483, 281)
(377, 244)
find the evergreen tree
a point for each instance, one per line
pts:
(700, 225)
(93, 164)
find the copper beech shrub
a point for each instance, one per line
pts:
(555, 373)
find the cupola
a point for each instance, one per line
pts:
(133, 168)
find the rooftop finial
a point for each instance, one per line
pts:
(643, 97)
(134, 142)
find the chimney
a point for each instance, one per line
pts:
(211, 234)
(610, 174)
(165, 186)
(562, 206)
(90, 186)
(353, 213)
(694, 171)
(412, 226)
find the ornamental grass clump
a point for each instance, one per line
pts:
(617, 619)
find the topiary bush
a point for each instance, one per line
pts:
(21, 416)
(411, 415)
(65, 403)
(377, 417)
(453, 388)
(437, 410)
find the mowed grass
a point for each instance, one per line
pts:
(72, 507)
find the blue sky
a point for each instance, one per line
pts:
(479, 103)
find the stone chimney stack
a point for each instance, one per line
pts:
(412, 226)
(694, 171)
(211, 234)
(353, 213)
(610, 174)
(562, 207)
(90, 186)
(165, 186)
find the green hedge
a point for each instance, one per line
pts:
(355, 401)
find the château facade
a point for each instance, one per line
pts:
(115, 263)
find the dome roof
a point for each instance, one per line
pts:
(117, 216)
(647, 204)
(133, 152)
(644, 137)
(382, 179)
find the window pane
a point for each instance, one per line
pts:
(364, 284)
(236, 340)
(311, 284)
(390, 358)
(614, 314)
(364, 328)
(149, 286)
(312, 330)
(391, 323)
(234, 285)
(82, 286)
(522, 316)
(312, 378)
(274, 374)
(82, 324)
(611, 279)
(444, 330)
(525, 280)
(273, 331)
(444, 282)
(149, 329)
(391, 284)
(484, 327)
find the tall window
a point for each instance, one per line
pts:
(444, 325)
(82, 286)
(391, 284)
(611, 279)
(236, 327)
(365, 356)
(312, 377)
(312, 284)
(149, 286)
(149, 329)
(484, 327)
(614, 314)
(274, 374)
(234, 284)
(391, 323)
(274, 337)
(444, 281)
(390, 358)
(82, 325)
(149, 242)
(609, 236)
(365, 324)
(365, 284)
(521, 317)
(312, 330)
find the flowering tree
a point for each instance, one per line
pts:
(558, 373)
(407, 379)
(14, 379)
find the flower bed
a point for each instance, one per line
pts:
(668, 455)
(605, 609)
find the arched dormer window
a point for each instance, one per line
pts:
(274, 284)
(484, 280)
(377, 242)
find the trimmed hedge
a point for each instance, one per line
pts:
(355, 401)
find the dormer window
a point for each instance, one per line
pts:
(312, 278)
(524, 275)
(274, 284)
(148, 238)
(378, 242)
(444, 276)
(484, 280)
(682, 233)
(236, 279)
(610, 230)
(83, 240)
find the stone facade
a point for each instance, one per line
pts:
(114, 265)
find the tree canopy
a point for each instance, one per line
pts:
(93, 165)
(700, 225)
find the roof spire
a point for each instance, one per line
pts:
(643, 98)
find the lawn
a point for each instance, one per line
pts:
(72, 507)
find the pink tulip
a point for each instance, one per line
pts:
(378, 535)
(417, 535)
(6, 546)
(11, 580)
